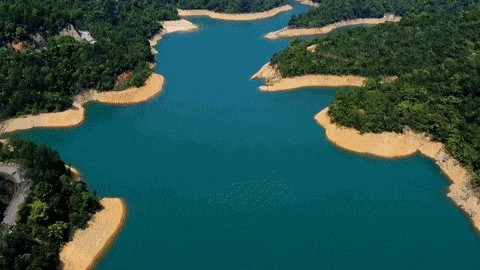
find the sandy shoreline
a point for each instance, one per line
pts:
(308, 3)
(393, 145)
(88, 246)
(302, 32)
(170, 27)
(75, 116)
(234, 17)
(275, 82)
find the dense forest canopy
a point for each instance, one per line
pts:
(437, 59)
(47, 78)
(54, 69)
(331, 11)
(229, 6)
(56, 206)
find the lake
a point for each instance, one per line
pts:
(218, 175)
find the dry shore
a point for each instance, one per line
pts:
(88, 245)
(234, 17)
(170, 27)
(393, 145)
(275, 82)
(308, 3)
(75, 116)
(302, 32)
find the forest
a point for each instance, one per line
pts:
(47, 78)
(54, 69)
(331, 11)
(436, 57)
(229, 6)
(55, 207)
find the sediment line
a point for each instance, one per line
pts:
(75, 116)
(288, 32)
(234, 17)
(275, 82)
(394, 145)
(89, 245)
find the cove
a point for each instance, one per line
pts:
(218, 175)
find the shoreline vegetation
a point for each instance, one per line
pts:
(275, 82)
(234, 17)
(75, 116)
(392, 145)
(289, 32)
(56, 206)
(89, 245)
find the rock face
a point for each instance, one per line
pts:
(312, 48)
(22, 47)
(77, 35)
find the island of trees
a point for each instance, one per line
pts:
(41, 71)
(55, 207)
(436, 57)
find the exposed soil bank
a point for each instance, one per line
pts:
(303, 32)
(275, 82)
(234, 17)
(89, 245)
(75, 116)
(393, 145)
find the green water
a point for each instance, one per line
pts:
(218, 175)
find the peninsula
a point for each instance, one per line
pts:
(400, 145)
(88, 245)
(275, 82)
(75, 116)
(291, 32)
(234, 17)
(424, 108)
(52, 205)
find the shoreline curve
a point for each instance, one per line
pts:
(288, 32)
(275, 82)
(392, 145)
(89, 245)
(308, 3)
(75, 116)
(234, 17)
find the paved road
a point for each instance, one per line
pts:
(21, 192)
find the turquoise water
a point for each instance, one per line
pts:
(218, 175)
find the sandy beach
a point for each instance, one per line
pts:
(393, 145)
(308, 3)
(234, 17)
(75, 116)
(170, 27)
(275, 82)
(89, 245)
(302, 32)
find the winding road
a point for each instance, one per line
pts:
(21, 191)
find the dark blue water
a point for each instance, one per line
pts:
(218, 175)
